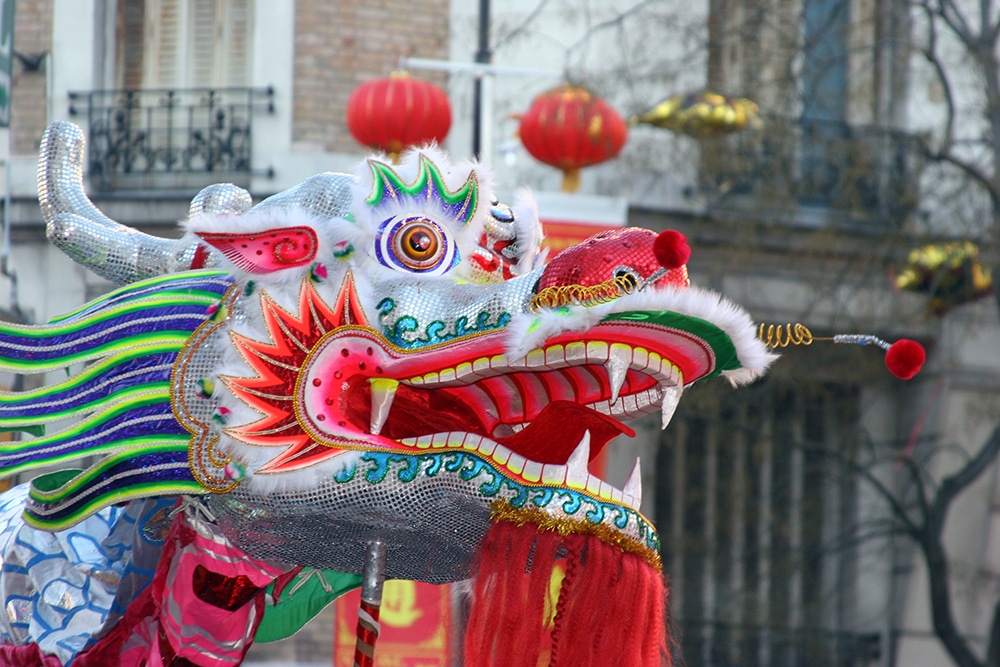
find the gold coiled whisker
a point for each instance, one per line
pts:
(783, 335)
(584, 295)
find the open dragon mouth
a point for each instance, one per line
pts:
(526, 417)
(328, 383)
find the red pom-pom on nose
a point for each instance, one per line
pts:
(905, 358)
(671, 249)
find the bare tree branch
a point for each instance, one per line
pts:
(915, 474)
(930, 54)
(523, 26)
(616, 20)
(993, 649)
(952, 16)
(898, 509)
(954, 484)
(938, 573)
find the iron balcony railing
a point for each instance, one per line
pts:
(861, 174)
(169, 138)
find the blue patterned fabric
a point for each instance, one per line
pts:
(57, 587)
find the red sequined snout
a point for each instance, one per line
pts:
(635, 256)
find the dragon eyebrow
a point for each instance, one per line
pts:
(460, 204)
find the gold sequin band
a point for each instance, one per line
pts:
(501, 510)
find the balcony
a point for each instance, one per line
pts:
(178, 139)
(815, 172)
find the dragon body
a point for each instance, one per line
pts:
(378, 356)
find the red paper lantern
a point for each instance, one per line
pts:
(570, 128)
(397, 112)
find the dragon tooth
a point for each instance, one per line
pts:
(597, 352)
(553, 474)
(594, 484)
(576, 466)
(502, 454)
(383, 393)
(633, 485)
(580, 457)
(617, 367)
(575, 353)
(671, 397)
(535, 358)
(532, 471)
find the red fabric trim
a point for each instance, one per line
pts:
(29, 655)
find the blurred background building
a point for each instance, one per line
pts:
(778, 535)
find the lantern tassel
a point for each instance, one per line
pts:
(571, 180)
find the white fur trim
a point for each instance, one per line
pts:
(753, 355)
(528, 231)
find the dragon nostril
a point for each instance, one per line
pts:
(627, 278)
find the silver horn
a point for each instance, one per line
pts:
(326, 195)
(74, 225)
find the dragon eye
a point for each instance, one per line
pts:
(418, 243)
(415, 244)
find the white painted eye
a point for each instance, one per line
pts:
(416, 244)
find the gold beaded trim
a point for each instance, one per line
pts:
(501, 510)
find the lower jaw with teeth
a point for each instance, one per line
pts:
(573, 476)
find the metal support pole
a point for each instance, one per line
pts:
(373, 577)
(483, 55)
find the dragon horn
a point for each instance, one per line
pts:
(74, 225)
(326, 195)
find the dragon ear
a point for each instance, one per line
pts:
(268, 250)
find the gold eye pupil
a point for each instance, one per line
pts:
(420, 243)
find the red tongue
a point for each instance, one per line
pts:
(553, 435)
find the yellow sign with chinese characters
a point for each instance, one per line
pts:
(415, 618)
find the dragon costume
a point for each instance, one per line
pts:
(371, 359)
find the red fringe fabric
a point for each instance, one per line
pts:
(611, 607)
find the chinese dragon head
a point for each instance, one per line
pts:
(379, 356)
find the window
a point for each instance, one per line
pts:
(755, 506)
(184, 44)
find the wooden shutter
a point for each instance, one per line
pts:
(236, 42)
(130, 28)
(185, 43)
(162, 51)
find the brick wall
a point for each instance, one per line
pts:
(32, 36)
(342, 43)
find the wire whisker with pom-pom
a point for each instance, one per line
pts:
(904, 358)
